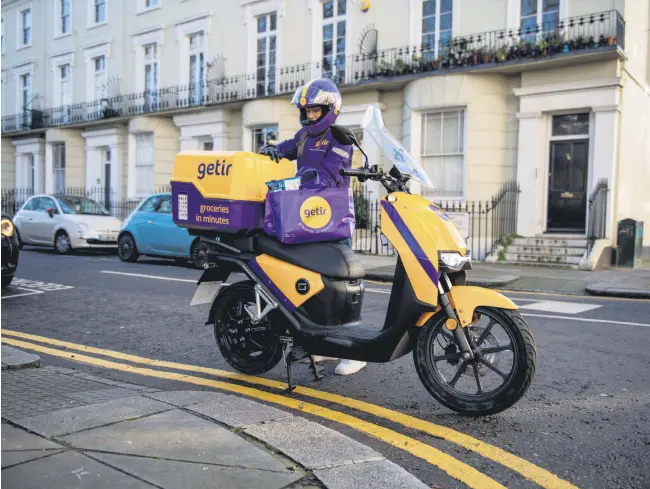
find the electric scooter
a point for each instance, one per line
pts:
(472, 349)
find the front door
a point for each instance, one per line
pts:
(107, 179)
(567, 188)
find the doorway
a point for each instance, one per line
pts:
(107, 178)
(567, 186)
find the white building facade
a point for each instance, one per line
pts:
(551, 94)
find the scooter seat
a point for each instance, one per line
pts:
(331, 259)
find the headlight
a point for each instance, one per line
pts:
(454, 261)
(82, 226)
(7, 227)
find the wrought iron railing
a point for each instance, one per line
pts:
(597, 214)
(489, 221)
(575, 35)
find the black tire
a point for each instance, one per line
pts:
(6, 281)
(229, 315)
(20, 241)
(62, 245)
(127, 249)
(515, 386)
(199, 254)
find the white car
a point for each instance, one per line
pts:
(66, 222)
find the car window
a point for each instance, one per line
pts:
(31, 204)
(45, 203)
(165, 206)
(151, 204)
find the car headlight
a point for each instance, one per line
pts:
(7, 227)
(454, 261)
(82, 226)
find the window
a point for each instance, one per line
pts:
(264, 135)
(64, 73)
(2, 43)
(437, 17)
(151, 204)
(64, 6)
(100, 76)
(443, 151)
(25, 92)
(207, 145)
(144, 163)
(266, 51)
(26, 27)
(30, 205)
(571, 125)
(58, 155)
(543, 12)
(45, 203)
(197, 68)
(151, 3)
(100, 11)
(165, 206)
(334, 29)
(151, 75)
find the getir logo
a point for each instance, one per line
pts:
(315, 212)
(217, 168)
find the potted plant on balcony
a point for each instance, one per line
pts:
(543, 47)
(501, 55)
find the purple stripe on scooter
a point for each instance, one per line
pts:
(411, 241)
(266, 280)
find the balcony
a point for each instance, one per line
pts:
(594, 36)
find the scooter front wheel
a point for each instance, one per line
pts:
(249, 348)
(496, 378)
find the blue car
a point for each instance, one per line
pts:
(150, 231)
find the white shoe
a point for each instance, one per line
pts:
(318, 358)
(347, 367)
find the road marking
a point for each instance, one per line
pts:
(561, 307)
(587, 320)
(577, 296)
(529, 470)
(156, 277)
(29, 292)
(455, 468)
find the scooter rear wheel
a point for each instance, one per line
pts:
(247, 347)
(518, 344)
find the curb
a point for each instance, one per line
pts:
(336, 461)
(499, 281)
(611, 291)
(14, 359)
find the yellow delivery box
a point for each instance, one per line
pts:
(223, 191)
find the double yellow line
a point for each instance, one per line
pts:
(455, 468)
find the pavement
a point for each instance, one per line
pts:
(584, 423)
(614, 282)
(62, 429)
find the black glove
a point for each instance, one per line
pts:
(272, 152)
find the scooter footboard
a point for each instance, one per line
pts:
(465, 299)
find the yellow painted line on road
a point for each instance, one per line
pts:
(540, 476)
(455, 468)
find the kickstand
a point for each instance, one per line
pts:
(315, 369)
(288, 362)
(291, 387)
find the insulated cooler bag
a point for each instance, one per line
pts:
(223, 191)
(311, 214)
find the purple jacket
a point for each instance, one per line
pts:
(323, 153)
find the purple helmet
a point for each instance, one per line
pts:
(322, 93)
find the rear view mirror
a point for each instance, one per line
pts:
(50, 211)
(343, 135)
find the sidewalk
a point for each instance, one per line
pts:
(616, 282)
(62, 428)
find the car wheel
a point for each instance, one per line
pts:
(6, 280)
(62, 243)
(126, 248)
(199, 254)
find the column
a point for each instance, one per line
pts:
(116, 171)
(530, 210)
(605, 144)
(220, 137)
(49, 168)
(21, 181)
(188, 143)
(39, 173)
(131, 175)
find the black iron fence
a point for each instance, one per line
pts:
(487, 222)
(597, 212)
(603, 30)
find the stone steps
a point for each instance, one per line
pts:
(563, 251)
(547, 250)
